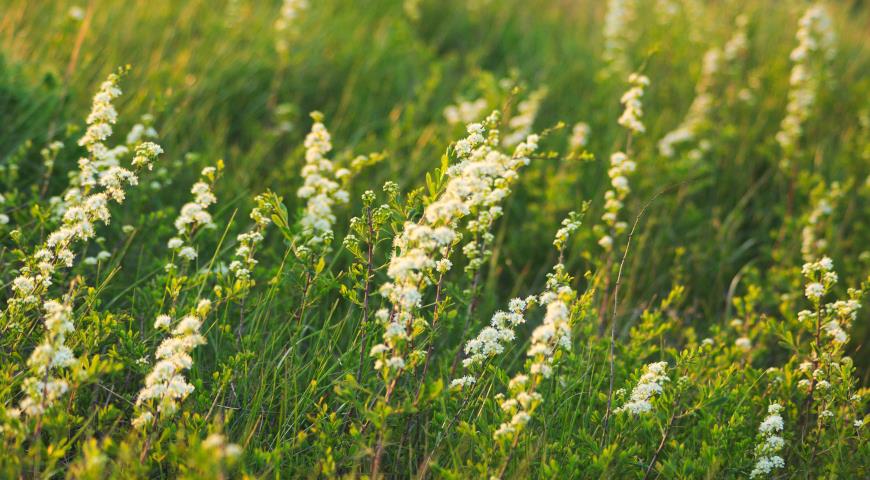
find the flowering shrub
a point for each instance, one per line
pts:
(436, 277)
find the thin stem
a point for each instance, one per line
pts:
(379, 446)
(472, 307)
(366, 288)
(301, 312)
(429, 349)
(609, 410)
(818, 345)
(652, 462)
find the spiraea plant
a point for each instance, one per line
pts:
(489, 251)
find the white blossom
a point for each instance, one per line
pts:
(471, 186)
(631, 100)
(705, 98)
(83, 207)
(320, 188)
(815, 46)
(165, 386)
(465, 112)
(43, 388)
(617, 33)
(649, 385)
(579, 136)
(767, 458)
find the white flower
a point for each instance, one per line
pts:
(489, 342)
(187, 253)
(619, 15)
(320, 188)
(162, 321)
(465, 112)
(771, 443)
(814, 291)
(815, 46)
(290, 11)
(77, 13)
(579, 136)
(521, 123)
(631, 116)
(396, 363)
(378, 349)
(477, 183)
(649, 385)
(705, 97)
(43, 388)
(165, 386)
(462, 382)
(553, 335)
(83, 207)
(194, 215)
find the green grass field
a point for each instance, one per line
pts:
(434, 239)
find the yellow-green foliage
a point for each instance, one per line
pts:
(511, 239)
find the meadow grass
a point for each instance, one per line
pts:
(439, 275)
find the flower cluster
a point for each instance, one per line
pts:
(482, 174)
(141, 131)
(43, 388)
(699, 111)
(522, 402)
(102, 165)
(321, 188)
(549, 338)
(815, 46)
(484, 204)
(841, 314)
(631, 100)
(244, 262)
(219, 448)
(616, 33)
(579, 136)
(4, 219)
(767, 451)
(465, 112)
(286, 21)
(650, 384)
(521, 124)
(165, 386)
(490, 341)
(813, 242)
(555, 332)
(570, 224)
(103, 115)
(82, 207)
(820, 278)
(830, 324)
(835, 318)
(737, 45)
(194, 215)
(620, 167)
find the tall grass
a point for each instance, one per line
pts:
(374, 290)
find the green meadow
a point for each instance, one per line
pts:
(434, 239)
